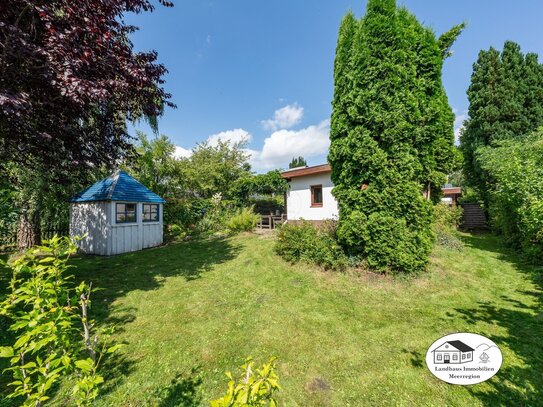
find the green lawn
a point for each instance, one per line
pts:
(188, 312)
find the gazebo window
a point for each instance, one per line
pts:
(150, 212)
(125, 213)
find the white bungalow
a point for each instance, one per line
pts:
(117, 215)
(309, 195)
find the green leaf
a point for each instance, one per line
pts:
(6, 352)
(114, 348)
(86, 365)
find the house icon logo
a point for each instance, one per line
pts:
(464, 358)
(453, 352)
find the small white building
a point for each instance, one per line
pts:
(309, 195)
(117, 215)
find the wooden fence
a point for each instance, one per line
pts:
(8, 240)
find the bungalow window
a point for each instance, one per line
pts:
(439, 356)
(463, 356)
(316, 195)
(150, 212)
(125, 213)
(455, 356)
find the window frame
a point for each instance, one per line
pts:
(439, 356)
(143, 205)
(117, 222)
(313, 203)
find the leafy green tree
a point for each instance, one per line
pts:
(506, 102)
(297, 162)
(391, 134)
(156, 167)
(216, 168)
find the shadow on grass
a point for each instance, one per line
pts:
(524, 325)
(183, 391)
(147, 270)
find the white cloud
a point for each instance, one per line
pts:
(234, 136)
(282, 145)
(459, 123)
(181, 152)
(284, 118)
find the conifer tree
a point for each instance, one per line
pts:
(391, 134)
(506, 102)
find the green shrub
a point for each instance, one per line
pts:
(446, 216)
(305, 242)
(242, 220)
(516, 202)
(447, 220)
(253, 387)
(53, 334)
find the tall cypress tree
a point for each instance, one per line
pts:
(506, 102)
(391, 134)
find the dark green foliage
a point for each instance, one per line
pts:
(516, 201)
(506, 102)
(446, 40)
(305, 242)
(391, 134)
(297, 162)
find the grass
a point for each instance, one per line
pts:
(188, 312)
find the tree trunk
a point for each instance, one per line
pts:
(28, 230)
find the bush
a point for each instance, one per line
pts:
(305, 242)
(52, 337)
(447, 217)
(516, 202)
(253, 387)
(447, 220)
(242, 220)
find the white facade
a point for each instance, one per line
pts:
(299, 198)
(107, 237)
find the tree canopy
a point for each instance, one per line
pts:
(506, 103)
(69, 80)
(391, 134)
(297, 162)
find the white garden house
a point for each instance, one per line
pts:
(117, 215)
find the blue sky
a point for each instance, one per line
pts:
(264, 69)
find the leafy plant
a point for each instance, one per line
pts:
(43, 311)
(516, 202)
(305, 242)
(447, 220)
(447, 217)
(254, 387)
(242, 220)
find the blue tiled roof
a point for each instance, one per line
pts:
(118, 187)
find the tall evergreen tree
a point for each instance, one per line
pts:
(506, 102)
(297, 162)
(391, 134)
